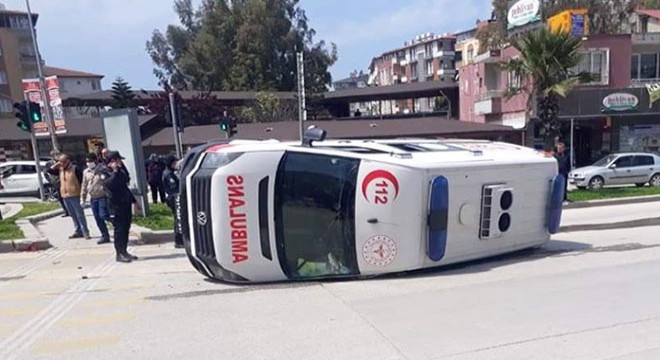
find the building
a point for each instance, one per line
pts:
(74, 83)
(355, 81)
(425, 58)
(17, 57)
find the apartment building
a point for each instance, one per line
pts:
(17, 57)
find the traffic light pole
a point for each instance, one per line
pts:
(35, 153)
(42, 82)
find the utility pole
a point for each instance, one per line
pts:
(302, 112)
(175, 126)
(42, 82)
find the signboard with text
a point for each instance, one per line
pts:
(33, 94)
(523, 12)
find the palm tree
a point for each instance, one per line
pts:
(547, 72)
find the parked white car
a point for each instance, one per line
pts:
(19, 178)
(618, 169)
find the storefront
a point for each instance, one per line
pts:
(597, 122)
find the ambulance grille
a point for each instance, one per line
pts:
(201, 210)
(486, 212)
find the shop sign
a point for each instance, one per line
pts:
(620, 102)
(523, 12)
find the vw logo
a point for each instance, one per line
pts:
(201, 218)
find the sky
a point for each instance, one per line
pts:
(108, 36)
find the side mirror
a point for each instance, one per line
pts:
(313, 134)
(613, 166)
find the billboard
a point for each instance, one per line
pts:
(32, 93)
(523, 12)
(575, 22)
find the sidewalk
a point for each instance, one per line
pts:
(611, 217)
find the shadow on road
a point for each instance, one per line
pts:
(163, 257)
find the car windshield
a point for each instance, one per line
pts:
(315, 215)
(604, 161)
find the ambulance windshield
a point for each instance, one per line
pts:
(315, 215)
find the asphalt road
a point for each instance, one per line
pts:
(590, 295)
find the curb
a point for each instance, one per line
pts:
(34, 239)
(610, 202)
(610, 226)
(144, 236)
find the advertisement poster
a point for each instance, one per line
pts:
(32, 93)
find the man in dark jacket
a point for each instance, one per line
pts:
(121, 201)
(155, 170)
(564, 164)
(171, 184)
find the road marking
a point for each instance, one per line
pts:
(43, 259)
(13, 346)
(49, 347)
(95, 320)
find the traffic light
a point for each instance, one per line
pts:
(35, 112)
(22, 113)
(224, 124)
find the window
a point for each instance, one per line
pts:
(27, 169)
(413, 72)
(604, 161)
(648, 66)
(429, 67)
(470, 53)
(595, 62)
(7, 171)
(3, 77)
(428, 49)
(624, 162)
(634, 67)
(6, 106)
(643, 161)
(315, 215)
(513, 80)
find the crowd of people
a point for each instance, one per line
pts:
(103, 184)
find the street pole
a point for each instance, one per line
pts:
(42, 82)
(301, 94)
(35, 152)
(572, 149)
(177, 142)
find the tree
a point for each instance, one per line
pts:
(240, 45)
(122, 94)
(546, 72)
(652, 4)
(268, 108)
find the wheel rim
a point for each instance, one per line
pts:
(655, 181)
(49, 194)
(596, 183)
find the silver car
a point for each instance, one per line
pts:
(618, 169)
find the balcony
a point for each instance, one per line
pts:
(492, 94)
(643, 82)
(442, 72)
(652, 38)
(444, 53)
(488, 106)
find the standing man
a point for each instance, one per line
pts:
(54, 179)
(155, 178)
(121, 202)
(70, 177)
(564, 164)
(104, 156)
(93, 183)
(171, 182)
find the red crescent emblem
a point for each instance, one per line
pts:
(379, 174)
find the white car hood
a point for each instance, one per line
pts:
(587, 170)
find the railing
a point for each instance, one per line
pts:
(652, 37)
(491, 94)
(643, 82)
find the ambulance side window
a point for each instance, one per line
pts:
(315, 215)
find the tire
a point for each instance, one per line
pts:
(50, 194)
(655, 180)
(640, 184)
(596, 183)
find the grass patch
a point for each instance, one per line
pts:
(158, 218)
(8, 228)
(612, 193)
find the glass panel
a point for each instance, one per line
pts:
(624, 162)
(315, 215)
(649, 64)
(634, 67)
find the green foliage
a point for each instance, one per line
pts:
(652, 4)
(240, 45)
(612, 193)
(268, 108)
(546, 66)
(8, 228)
(158, 218)
(122, 94)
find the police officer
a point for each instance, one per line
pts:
(171, 184)
(121, 200)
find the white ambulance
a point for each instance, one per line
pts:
(262, 211)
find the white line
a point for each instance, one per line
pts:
(43, 259)
(13, 346)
